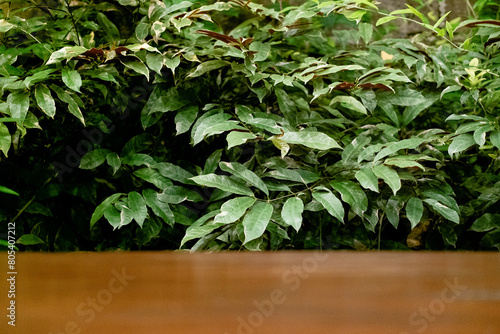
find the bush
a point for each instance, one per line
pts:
(232, 125)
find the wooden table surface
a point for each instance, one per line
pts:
(246, 293)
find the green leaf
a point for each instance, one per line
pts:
(256, 220)
(461, 143)
(9, 191)
(138, 159)
(174, 172)
(44, 100)
(235, 138)
(390, 177)
(161, 209)
(208, 66)
(444, 210)
(367, 179)
(366, 31)
(222, 182)
(72, 79)
(112, 32)
(281, 145)
(153, 176)
(351, 103)
(212, 162)
(291, 212)
(352, 194)
(263, 50)
(330, 202)
(5, 25)
(486, 222)
(114, 161)
(137, 66)
(137, 205)
(178, 194)
(94, 158)
(392, 209)
(450, 89)
(185, 118)
(173, 63)
(404, 144)
(405, 98)
(297, 175)
(355, 147)
(495, 138)
(29, 239)
(155, 61)
(287, 106)
(199, 229)
(233, 209)
(316, 140)
(99, 211)
(244, 173)
(385, 19)
(19, 103)
(212, 125)
(5, 139)
(72, 104)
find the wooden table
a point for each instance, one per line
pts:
(245, 293)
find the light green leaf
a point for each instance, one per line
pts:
(392, 209)
(5, 139)
(244, 173)
(44, 100)
(366, 31)
(99, 211)
(444, 210)
(389, 175)
(262, 49)
(330, 202)
(495, 138)
(72, 79)
(174, 172)
(138, 159)
(256, 220)
(291, 212)
(159, 208)
(233, 209)
(29, 239)
(414, 211)
(94, 158)
(385, 19)
(296, 175)
(403, 163)
(367, 179)
(199, 229)
(155, 61)
(235, 138)
(185, 118)
(208, 66)
(19, 103)
(480, 134)
(222, 182)
(114, 161)
(355, 147)
(352, 194)
(173, 63)
(137, 205)
(312, 139)
(5, 25)
(281, 145)
(9, 191)
(67, 53)
(394, 147)
(461, 143)
(350, 102)
(450, 89)
(178, 194)
(137, 66)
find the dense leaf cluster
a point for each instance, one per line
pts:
(232, 125)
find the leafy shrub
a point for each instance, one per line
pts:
(232, 125)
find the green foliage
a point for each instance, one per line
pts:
(231, 125)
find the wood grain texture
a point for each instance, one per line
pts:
(245, 293)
